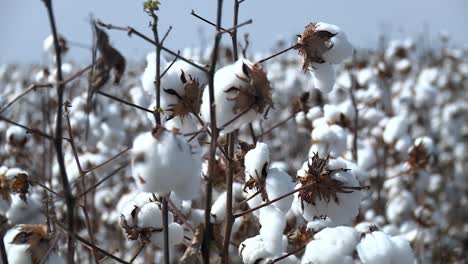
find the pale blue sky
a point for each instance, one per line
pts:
(24, 24)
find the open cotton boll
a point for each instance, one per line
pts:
(396, 127)
(400, 206)
(279, 183)
(16, 253)
(331, 201)
(252, 250)
(427, 143)
(16, 136)
(148, 77)
(218, 209)
(242, 94)
(273, 222)
(256, 161)
(378, 247)
(323, 76)
(341, 48)
(163, 161)
(176, 236)
(328, 139)
(24, 212)
(332, 245)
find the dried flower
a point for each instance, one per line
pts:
(418, 158)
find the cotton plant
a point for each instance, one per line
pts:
(242, 94)
(163, 161)
(323, 45)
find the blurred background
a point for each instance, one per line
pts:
(24, 24)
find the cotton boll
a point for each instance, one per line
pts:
(323, 76)
(163, 161)
(329, 139)
(16, 253)
(16, 136)
(256, 161)
(332, 245)
(378, 247)
(238, 87)
(150, 215)
(400, 206)
(427, 143)
(277, 184)
(342, 210)
(319, 223)
(218, 209)
(148, 77)
(341, 48)
(394, 129)
(24, 212)
(273, 222)
(403, 143)
(252, 250)
(176, 236)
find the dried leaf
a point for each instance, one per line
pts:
(20, 184)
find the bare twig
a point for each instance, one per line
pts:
(277, 54)
(69, 200)
(356, 118)
(140, 248)
(289, 254)
(208, 22)
(91, 245)
(278, 125)
(214, 137)
(28, 129)
(170, 65)
(104, 179)
(165, 222)
(124, 102)
(30, 88)
(131, 30)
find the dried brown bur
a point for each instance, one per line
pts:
(20, 184)
(187, 103)
(143, 235)
(300, 103)
(418, 158)
(258, 182)
(323, 186)
(300, 235)
(109, 59)
(36, 237)
(313, 44)
(256, 94)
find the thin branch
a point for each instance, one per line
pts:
(165, 35)
(170, 65)
(209, 22)
(91, 245)
(277, 54)
(236, 117)
(30, 88)
(278, 125)
(157, 76)
(207, 238)
(124, 102)
(165, 222)
(109, 160)
(356, 118)
(357, 188)
(229, 219)
(69, 200)
(289, 254)
(131, 30)
(248, 22)
(28, 129)
(247, 199)
(140, 248)
(114, 172)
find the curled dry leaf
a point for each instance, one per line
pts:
(255, 94)
(313, 44)
(300, 236)
(258, 182)
(109, 59)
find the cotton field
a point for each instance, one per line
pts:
(318, 152)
